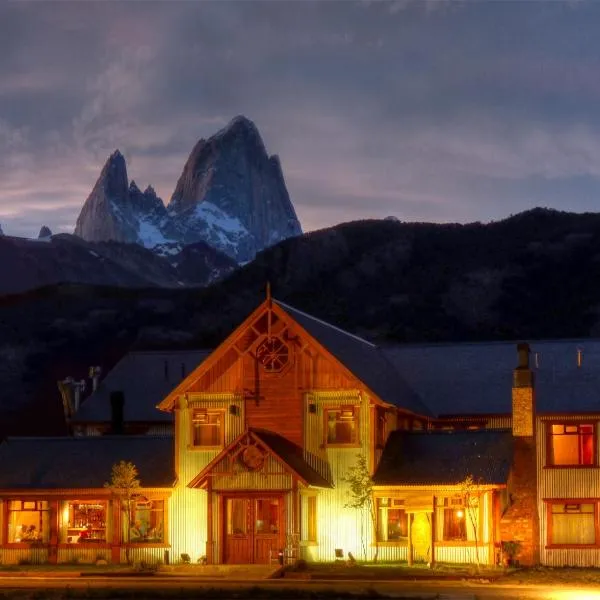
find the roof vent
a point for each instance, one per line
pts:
(579, 357)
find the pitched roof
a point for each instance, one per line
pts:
(293, 455)
(476, 378)
(145, 378)
(84, 462)
(445, 458)
(364, 359)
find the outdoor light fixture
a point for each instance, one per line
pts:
(460, 514)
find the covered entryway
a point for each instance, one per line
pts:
(253, 528)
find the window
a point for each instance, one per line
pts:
(308, 518)
(83, 522)
(453, 524)
(342, 425)
(570, 444)
(392, 520)
(146, 525)
(207, 428)
(237, 516)
(28, 521)
(572, 524)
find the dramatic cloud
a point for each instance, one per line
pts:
(426, 110)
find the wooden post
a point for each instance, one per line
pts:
(53, 549)
(432, 563)
(411, 516)
(115, 549)
(209, 536)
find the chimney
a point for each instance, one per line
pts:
(70, 391)
(523, 395)
(94, 375)
(117, 403)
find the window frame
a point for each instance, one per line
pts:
(548, 440)
(312, 533)
(141, 499)
(355, 443)
(391, 498)
(6, 521)
(208, 412)
(572, 501)
(63, 524)
(455, 503)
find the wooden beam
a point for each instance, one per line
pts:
(209, 536)
(411, 517)
(432, 563)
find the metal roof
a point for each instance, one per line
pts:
(445, 458)
(293, 455)
(364, 359)
(84, 462)
(476, 378)
(145, 378)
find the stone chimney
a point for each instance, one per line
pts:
(523, 395)
(520, 521)
(117, 405)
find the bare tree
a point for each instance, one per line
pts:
(361, 497)
(124, 485)
(471, 492)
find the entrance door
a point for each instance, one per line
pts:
(252, 528)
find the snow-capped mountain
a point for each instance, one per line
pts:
(117, 210)
(230, 195)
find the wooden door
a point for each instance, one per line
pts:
(267, 527)
(252, 528)
(238, 530)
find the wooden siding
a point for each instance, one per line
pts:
(273, 477)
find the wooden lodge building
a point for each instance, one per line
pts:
(243, 453)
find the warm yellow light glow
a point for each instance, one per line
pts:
(576, 595)
(460, 514)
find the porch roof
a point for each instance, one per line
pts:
(445, 458)
(293, 456)
(84, 462)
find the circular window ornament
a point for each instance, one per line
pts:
(273, 354)
(253, 458)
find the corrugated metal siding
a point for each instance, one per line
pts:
(337, 526)
(463, 554)
(564, 483)
(148, 555)
(32, 556)
(274, 477)
(79, 555)
(161, 430)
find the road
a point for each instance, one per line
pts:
(157, 584)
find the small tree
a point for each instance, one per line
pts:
(471, 493)
(124, 485)
(361, 496)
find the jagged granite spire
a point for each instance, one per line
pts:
(44, 233)
(231, 178)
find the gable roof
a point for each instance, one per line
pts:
(145, 378)
(476, 378)
(84, 462)
(445, 458)
(365, 360)
(288, 453)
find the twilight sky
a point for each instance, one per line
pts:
(426, 110)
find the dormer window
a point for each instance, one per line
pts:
(342, 426)
(207, 428)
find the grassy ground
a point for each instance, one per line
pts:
(549, 576)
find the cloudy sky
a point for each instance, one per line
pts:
(426, 110)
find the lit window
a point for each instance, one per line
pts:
(308, 518)
(28, 521)
(392, 520)
(146, 525)
(207, 428)
(571, 444)
(342, 426)
(83, 522)
(572, 524)
(452, 518)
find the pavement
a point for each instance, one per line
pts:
(192, 585)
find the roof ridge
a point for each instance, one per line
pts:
(62, 438)
(352, 335)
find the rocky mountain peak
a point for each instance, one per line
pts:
(44, 232)
(230, 195)
(1, 232)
